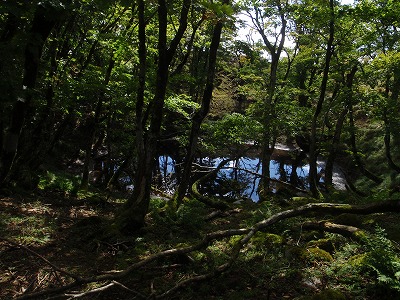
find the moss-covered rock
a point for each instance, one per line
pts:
(317, 254)
(324, 244)
(307, 255)
(268, 240)
(295, 253)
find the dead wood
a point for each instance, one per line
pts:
(321, 209)
(345, 230)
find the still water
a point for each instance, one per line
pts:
(239, 179)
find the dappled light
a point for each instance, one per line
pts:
(200, 149)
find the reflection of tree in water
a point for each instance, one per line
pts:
(240, 178)
(165, 174)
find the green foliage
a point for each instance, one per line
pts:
(181, 105)
(221, 10)
(372, 267)
(384, 261)
(189, 216)
(233, 130)
(59, 181)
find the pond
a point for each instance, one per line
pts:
(239, 178)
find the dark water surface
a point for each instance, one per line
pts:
(239, 180)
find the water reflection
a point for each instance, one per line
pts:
(239, 179)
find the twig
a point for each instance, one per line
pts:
(104, 288)
(41, 257)
(93, 291)
(322, 208)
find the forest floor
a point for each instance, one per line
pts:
(48, 230)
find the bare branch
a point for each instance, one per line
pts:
(40, 257)
(248, 233)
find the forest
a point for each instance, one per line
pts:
(200, 149)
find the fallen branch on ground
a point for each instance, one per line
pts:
(345, 230)
(247, 233)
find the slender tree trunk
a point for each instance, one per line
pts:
(33, 158)
(200, 114)
(338, 130)
(359, 162)
(268, 137)
(7, 33)
(94, 124)
(313, 141)
(137, 205)
(42, 24)
(333, 149)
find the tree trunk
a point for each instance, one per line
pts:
(268, 137)
(333, 149)
(94, 124)
(42, 24)
(200, 114)
(137, 205)
(313, 140)
(338, 130)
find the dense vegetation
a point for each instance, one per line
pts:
(94, 93)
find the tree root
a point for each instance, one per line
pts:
(111, 279)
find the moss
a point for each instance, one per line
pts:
(324, 244)
(262, 239)
(358, 260)
(299, 201)
(318, 254)
(360, 235)
(295, 253)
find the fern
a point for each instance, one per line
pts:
(383, 260)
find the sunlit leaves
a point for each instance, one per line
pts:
(232, 130)
(182, 105)
(219, 9)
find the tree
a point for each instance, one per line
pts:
(43, 22)
(270, 21)
(137, 205)
(381, 51)
(200, 115)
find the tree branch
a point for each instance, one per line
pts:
(247, 233)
